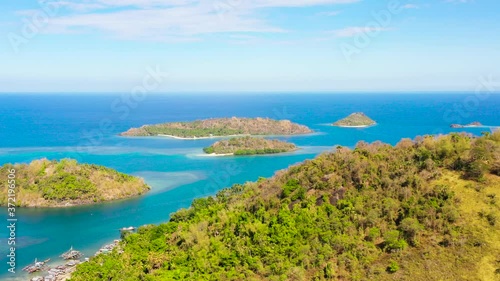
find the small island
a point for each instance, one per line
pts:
(355, 120)
(219, 127)
(44, 183)
(473, 124)
(249, 146)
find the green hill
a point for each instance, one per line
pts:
(357, 119)
(249, 146)
(221, 127)
(426, 209)
(44, 183)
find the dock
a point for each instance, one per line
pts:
(59, 273)
(36, 266)
(73, 257)
(107, 248)
(71, 254)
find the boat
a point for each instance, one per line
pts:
(71, 254)
(126, 230)
(36, 266)
(108, 248)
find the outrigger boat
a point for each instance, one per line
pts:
(36, 266)
(71, 254)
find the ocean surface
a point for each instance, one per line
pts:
(85, 127)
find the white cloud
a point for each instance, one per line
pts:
(410, 6)
(174, 24)
(355, 30)
(459, 1)
(330, 13)
(170, 20)
(294, 3)
(80, 7)
(146, 4)
(102, 4)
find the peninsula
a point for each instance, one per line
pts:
(355, 120)
(218, 127)
(470, 125)
(249, 146)
(44, 183)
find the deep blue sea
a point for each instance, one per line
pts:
(85, 127)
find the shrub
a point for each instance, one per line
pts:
(393, 267)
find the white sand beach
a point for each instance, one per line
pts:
(199, 138)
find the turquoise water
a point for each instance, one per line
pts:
(85, 127)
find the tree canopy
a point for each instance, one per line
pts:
(425, 209)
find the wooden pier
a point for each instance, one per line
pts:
(36, 266)
(71, 254)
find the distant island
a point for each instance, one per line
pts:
(355, 120)
(218, 127)
(473, 124)
(249, 146)
(44, 183)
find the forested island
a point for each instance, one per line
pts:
(425, 209)
(217, 127)
(357, 119)
(249, 146)
(44, 183)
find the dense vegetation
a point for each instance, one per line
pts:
(221, 127)
(426, 209)
(44, 183)
(355, 119)
(249, 146)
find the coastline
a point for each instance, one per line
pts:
(198, 138)
(231, 136)
(312, 133)
(473, 126)
(73, 204)
(358, 126)
(217, 155)
(66, 273)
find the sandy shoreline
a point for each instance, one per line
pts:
(199, 138)
(474, 126)
(360, 126)
(216, 155)
(231, 136)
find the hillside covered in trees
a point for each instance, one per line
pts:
(44, 183)
(357, 119)
(426, 209)
(221, 127)
(249, 146)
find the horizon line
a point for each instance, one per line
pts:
(264, 92)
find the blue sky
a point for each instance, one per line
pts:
(249, 45)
